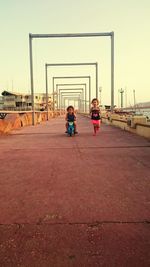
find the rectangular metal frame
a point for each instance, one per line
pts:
(70, 64)
(73, 84)
(68, 93)
(75, 77)
(71, 35)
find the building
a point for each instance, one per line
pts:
(19, 101)
(1, 102)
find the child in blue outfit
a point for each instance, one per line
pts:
(70, 116)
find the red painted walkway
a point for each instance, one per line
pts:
(74, 202)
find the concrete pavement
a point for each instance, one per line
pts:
(80, 201)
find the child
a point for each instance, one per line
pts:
(95, 115)
(70, 116)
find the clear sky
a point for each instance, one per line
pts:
(130, 21)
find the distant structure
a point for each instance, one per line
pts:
(143, 105)
(1, 102)
(19, 101)
(140, 108)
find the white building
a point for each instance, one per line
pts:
(19, 101)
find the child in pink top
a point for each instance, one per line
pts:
(95, 115)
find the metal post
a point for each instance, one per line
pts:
(89, 93)
(121, 93)
(46, 90)
(53, 96)
(112, 71)
(100, 94)
(31, 79)
(96, 80)
(134, 97)
(85, 100)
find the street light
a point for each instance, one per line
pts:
(134, 97)
(121, 91)
(100, 94)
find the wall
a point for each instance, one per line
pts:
(140, 129)
(16, 121)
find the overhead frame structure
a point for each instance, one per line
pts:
(71, 98)
(70, 35)
(71, 94)
(72, 84)
(70, 64)
(74, 77)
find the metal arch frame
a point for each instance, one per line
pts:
(71, 98)
(70, 35)
(70, 64)
(71, 94)
(75, 77)
(73, 84)
(78, 90)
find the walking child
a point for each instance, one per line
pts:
(95, 115)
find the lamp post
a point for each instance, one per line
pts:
(121, 91)
(134, 97)
(100, 94)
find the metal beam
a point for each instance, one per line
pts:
(70, 35)
(70, 64)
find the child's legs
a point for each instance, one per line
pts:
(75, 126)
(66, 125)
(98, 124)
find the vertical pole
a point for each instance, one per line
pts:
(64, 104)
(46, 90)
(85, 99)
(57, 95)
(121, 92)
(134, 97)
(96, 80)
(89, 93)
(112, 71)
(53, 96)
(126, 95)
(118, 98)
(60, 100)
(31, 79)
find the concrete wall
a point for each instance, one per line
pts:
(16, 121)
(142, 129)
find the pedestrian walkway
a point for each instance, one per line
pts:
(78, 201)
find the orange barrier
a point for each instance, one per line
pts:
(16, 121)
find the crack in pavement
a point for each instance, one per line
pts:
(92, 224)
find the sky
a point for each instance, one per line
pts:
(130, 21)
